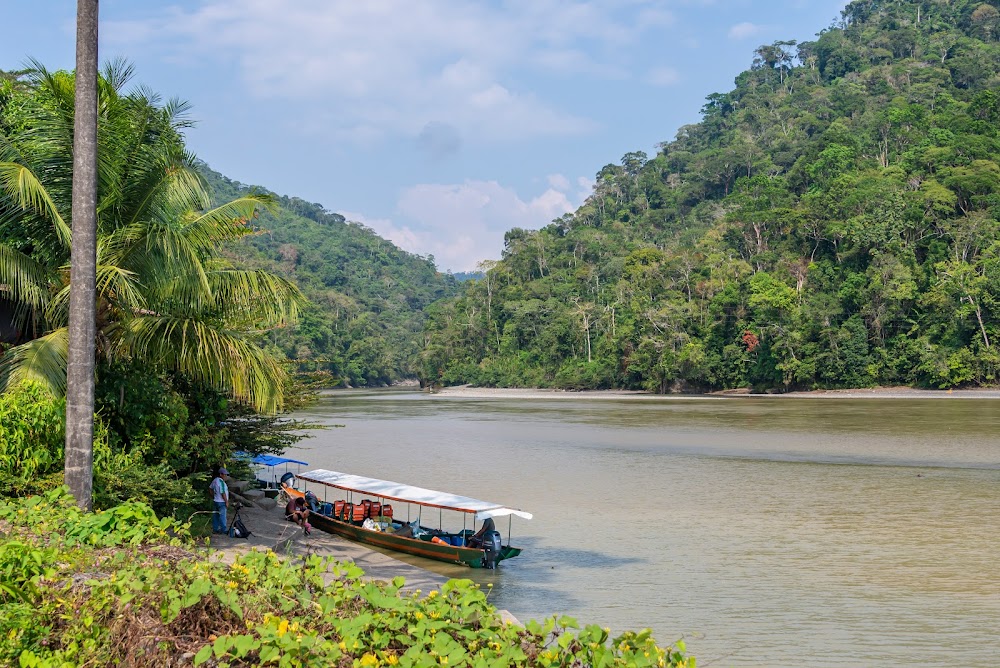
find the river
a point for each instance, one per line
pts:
(762, 531)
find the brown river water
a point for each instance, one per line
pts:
(762, 531)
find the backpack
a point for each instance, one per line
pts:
(239, 530)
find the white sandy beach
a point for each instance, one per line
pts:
(469, 392)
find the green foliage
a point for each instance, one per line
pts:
(121, 476)
(151, 599)
(32, 436)
(841, 204)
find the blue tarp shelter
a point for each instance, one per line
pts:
(273, 460)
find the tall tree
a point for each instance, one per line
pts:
(79, 473)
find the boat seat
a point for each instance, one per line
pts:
(358, 513)
(375, 510)
(387, 510)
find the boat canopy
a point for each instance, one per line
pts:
(408, 493)
(272, 460)
(269, 460)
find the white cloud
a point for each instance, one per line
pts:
(463, 224)
(744, 30)
(654, 17)
(395, 66)
(663, 76)
(558, 182)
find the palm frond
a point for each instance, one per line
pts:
(159, 254)
(177, 111)
(257, 298)
(9, 152)
(59, 87)
(42, 360)
(23, 279)
(57, 311)
(119, 288)
(21, 185)
(166, 185)
(221, 359)
(227, 222)
(118, 72)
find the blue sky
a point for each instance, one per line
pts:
(438, 124)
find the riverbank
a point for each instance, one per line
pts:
(123, 587)
(470, 392)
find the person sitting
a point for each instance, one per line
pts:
(476, 539)
(297, 512)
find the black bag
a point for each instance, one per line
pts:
(238, 529)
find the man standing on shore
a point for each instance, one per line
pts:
(220, 497)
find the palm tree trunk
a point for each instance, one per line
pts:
(79, 473)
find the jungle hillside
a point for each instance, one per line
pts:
(831, 222)
(364, 321)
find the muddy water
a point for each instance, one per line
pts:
(765, 532)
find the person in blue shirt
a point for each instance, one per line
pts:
(220, 497)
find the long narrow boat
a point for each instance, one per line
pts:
(370, 520)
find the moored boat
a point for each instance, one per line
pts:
(360, 509)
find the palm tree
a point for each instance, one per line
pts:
(164, 294)
(79, 470)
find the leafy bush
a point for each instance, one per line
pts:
(32, 437)
(32, 432)
(122, 476)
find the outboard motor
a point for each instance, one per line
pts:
(288, 479)
(491, 549)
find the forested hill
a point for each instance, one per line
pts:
(831, 222)
(364, 324)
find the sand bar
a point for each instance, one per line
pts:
(469, 392)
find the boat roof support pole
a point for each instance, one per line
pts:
(510, 519)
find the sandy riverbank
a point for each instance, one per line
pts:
(469, 392)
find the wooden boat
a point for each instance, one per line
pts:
(371, 519)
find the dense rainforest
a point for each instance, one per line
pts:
(833, 221)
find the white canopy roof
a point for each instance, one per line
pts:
(399, 492)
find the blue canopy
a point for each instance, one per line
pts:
(273, 460)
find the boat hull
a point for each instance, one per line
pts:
(471, 557)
